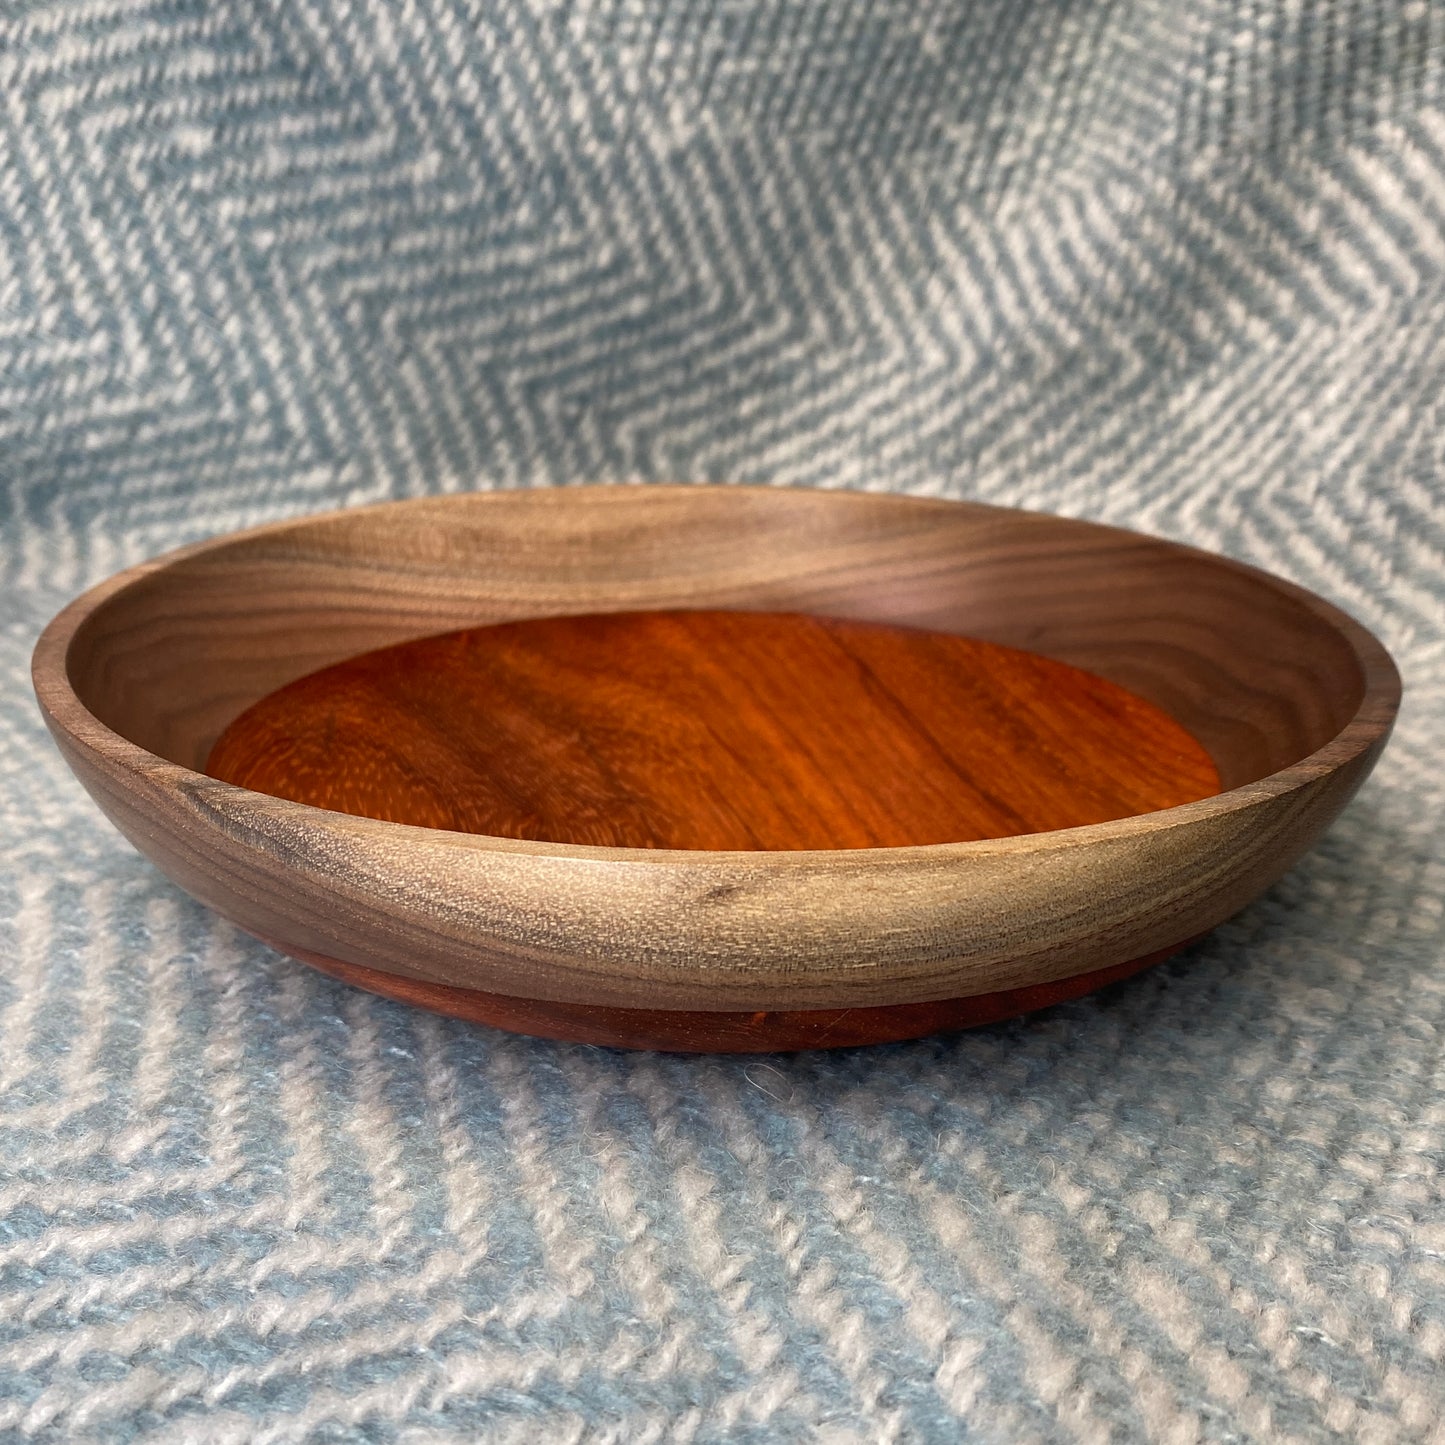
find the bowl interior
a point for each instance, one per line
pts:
(1261, 673)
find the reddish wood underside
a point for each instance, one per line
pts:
(730, 1032)
(714, 730)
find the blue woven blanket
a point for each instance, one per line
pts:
(1179, 266)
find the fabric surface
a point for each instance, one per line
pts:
(1179, 266)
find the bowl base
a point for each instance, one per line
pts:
(696, 1031)
(715, 730)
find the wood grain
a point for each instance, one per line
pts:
(714, 730)
(1291, 698)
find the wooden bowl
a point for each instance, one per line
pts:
(733, 948)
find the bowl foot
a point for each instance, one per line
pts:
(739, 1032)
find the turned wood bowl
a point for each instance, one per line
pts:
(715, 768)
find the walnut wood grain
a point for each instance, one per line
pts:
(714, 731)
(1291, 698)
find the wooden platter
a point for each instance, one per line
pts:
(715, 767)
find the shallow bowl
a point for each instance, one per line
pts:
(690, 949)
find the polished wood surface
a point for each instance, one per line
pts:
(715, 730)
(1291, 698)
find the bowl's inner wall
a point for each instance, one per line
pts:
(1260, 678)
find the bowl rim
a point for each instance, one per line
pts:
(1368, 727)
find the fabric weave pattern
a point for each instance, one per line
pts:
(1175, 266)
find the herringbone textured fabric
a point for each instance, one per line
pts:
(1175, 265)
